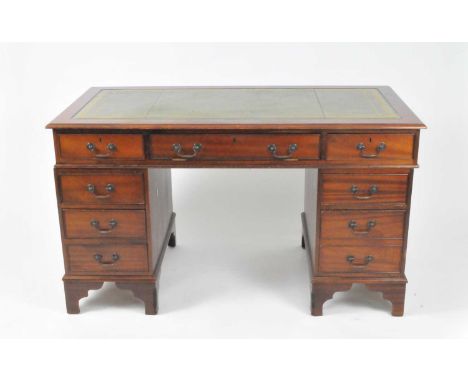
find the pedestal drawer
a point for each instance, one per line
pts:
(86, 224)
(362, 225)
(360, 259)
(100, 146)
(107, 259)
(364, 190)
(100, 189)
(235, 146)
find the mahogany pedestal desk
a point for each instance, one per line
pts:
(115, 147)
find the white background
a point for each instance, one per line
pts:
(238, 269)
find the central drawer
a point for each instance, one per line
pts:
(235, 146)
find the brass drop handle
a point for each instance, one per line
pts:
(368, 195)
(111, 148)
(291, 149)
(112, 224)
(99, 258)
(351, 259)
(361, 147)
(177, 148)
(352, 224)
(109, 188)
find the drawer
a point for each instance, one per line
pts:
(364, 190)
(107, 259)
(235, 146)
(362, 225)
(89, 224)
(102, 189)
(370, 147)
(360, 259)
(100, 146)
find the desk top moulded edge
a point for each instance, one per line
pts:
(407, 119)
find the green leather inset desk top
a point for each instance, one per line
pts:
(236, 105)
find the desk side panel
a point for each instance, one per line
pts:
(310, 209)
(159, 210)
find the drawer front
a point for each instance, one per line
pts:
(107, 259)
(98, 223)
(103, 189)
(101, 146)
(361, 190)
(360, 259)
(235, 146)
(362, 225)
(370, 147)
